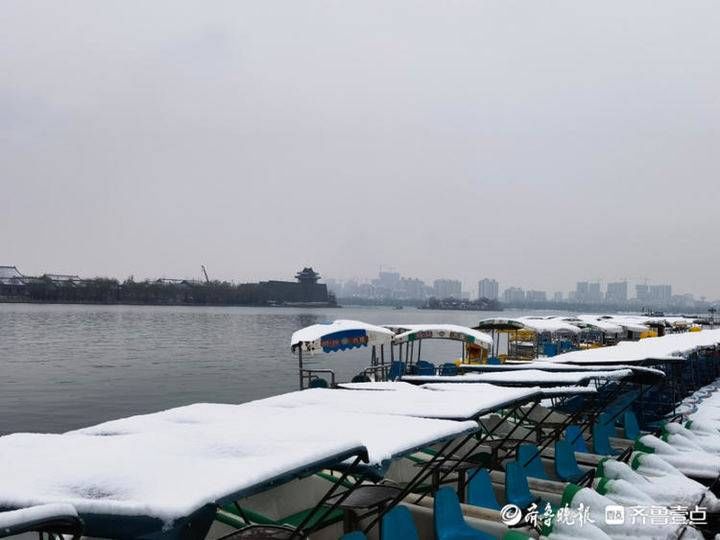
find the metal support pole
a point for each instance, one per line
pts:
(300, 366)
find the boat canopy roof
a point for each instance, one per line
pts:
(406, 401)
(338, 336)
(547, 392)
(168, 465)
(536, 324)
(400, 385)
(605, 326)
(414, 332)
(627, 322)
(668, 347)
(551, 325)
(527, 377)
(557, 367)
(499, 323)
(156, 471)
(35, 514)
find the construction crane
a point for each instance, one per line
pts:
(204, 270)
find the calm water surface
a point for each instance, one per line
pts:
(63, 367)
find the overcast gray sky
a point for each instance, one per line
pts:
(536, 142)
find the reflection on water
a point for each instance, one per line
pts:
(64, 367)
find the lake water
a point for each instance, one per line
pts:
(66, 366)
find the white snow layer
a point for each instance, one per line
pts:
(171, 463)
(527, 376)
(422, 403)
(658, 348)
(15, 518)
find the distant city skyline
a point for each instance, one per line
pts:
(392, 284)
(632, 292)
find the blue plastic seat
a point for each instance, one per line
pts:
(317, 382)
(425, 368)
(480, 490)
(566, 467)
(493, 361)
(550, 349)
(601, 436)
(355, 535)
(449, 521)
(398, 524)
(573, 435)
(448, 369)
(517, 490)
(631, 425)
(529, 457)
(397, 370)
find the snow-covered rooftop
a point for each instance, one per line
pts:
(555, 367)
(34, 514)
(550, 391)
(170, 464)
(552, 326)
(526, 377)
(668, 347)
(412, 332)
(405, 401)
(536, 324)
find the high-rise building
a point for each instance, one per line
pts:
(581, 291)
(558, 296)
(536, 296)
(642, 293)
(594, 293)
(488, 288)
(617, 293)
(513, 294)
(413, 288)
(660, 293)
(588, 293)
(447, 288)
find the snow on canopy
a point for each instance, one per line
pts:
(523, 377)
(668, 347)
(169, 464)
(615, 323)
(550, 391)
(605, 326)
(413, 332)
(464, 387)
(379, 385)
(553, 326)
(536, 324)
(339, 335)
(555, 367)
(403, 402)
(35, 514)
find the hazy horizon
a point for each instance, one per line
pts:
(539, 144)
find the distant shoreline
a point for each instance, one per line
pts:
(308, 305)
